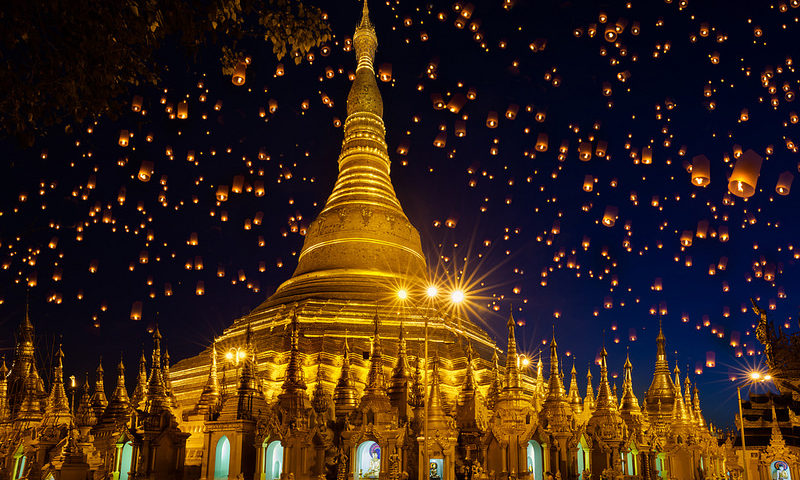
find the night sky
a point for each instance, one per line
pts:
(87, 241)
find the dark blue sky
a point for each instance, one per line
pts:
(528, 206)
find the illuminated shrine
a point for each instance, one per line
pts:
(356, 368)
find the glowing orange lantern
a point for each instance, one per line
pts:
(745, 174)
(784, 183)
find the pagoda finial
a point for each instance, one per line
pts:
(344, 394)
(57, 408)
(512, 369)
(294, 371)
(375, 379)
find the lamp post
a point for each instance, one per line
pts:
(754, 376)
(432, 293)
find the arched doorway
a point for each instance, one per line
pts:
(779, 470)
(368, 461)
(222, 459)
(534, 454)
(273, 460)
(583, 457)
(125, 460)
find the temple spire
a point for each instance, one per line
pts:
(361, 237)
(556, 411)
(630, 404)
(574, 395)
(173, 401)
(99, 399)
(604, 398)
(588, 401)
(344, 395)
(157, 400)
(376, 383)
(294, 379)
(140, 391)
(85, 416)
(320, 400)
(438, 417)
(698, 414)
(513, 382)
(496, 386)
(209, 398)
(30, 411)
(57, 410)
(662, 389)
(401, 372)
(119, 408)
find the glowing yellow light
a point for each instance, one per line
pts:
(431, 291)
(229, 356)
(402, 294)
(767, 377)
(457, 296)
(755, 375)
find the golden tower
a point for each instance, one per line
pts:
(358, 252)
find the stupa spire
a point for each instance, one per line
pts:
(157, 400)
(85, 416)
(604, 398)
(496, 385)
(294, 370)
(630, 404)
(57, 410)
(210, 396)
(588, 401)
(119, 408)
(512, 369)
(30, 411)
(698, 414)
(140, 391)
(344, 395)
(320, 400)
(662, 389)
(99, 399)
(361, 236)
(574, 395)
(376, 382)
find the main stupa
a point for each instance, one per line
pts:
(359, 251)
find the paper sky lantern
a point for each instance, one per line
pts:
(145, 171)
(222, 193)
(385, 72)
(588, 183)
(136, 310)
(239, 73)
(440, 141)
(585, 151)
(610, 216)
(784, 183)
(541, 142)
(124, 138)
(745, 174)
(647, 155)
(491, 120)
(183, 110)
(701, 171)
(136, 104)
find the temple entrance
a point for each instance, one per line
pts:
(125, 461)
(534, 454)
(273, 460)
(368, 461)
(222, 459)
(436, 469)
(583, 453)
(779, 470)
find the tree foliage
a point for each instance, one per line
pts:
(65, 61)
